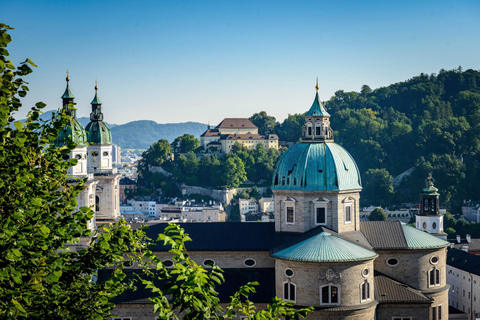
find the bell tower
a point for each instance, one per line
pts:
(429, 218)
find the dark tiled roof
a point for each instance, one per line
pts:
(171, 209)
(127, 181)
(464, 261)
(221, 236)
(211, 133)
(234, 278)
(388, 290)
(237, 123)
(384, 234)
(473, 245)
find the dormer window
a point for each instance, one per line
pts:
(290, 211)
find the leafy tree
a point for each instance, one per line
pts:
(156, 154)
(233, 172)
(40, 278)
(193, 289)
(451, 232)
(291, 128)
(264, 122)
(377, 187)
(378, 214)
(185, 143)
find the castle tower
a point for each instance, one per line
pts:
(429, 218)
(107, 193)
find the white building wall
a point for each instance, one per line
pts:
(464, 292)
(247, 205)
(80, 169)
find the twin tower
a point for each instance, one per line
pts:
(94, 158)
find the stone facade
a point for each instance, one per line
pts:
(304, 204)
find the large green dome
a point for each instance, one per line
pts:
(316, 166)
(72, 131)
(98, 133)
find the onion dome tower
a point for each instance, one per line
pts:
(317, 182)
(75, 132)
(99, 138)
(429, 218)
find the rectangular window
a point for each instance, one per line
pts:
(288, 291)
(290, 215)
(320, 215)
(317, 131)
(329, 294)
(348, 213)
(434, 278)
(309, 131)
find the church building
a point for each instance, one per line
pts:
(317, 252)
(94, 160)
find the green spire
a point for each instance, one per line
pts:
(67, 94)
(96, 99)
(429, 187)
(317, 108)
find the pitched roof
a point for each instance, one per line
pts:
(221, 236)
(388, 290)
(325, 247)
(396, 235)
(211, 133)
(464, 261)
(236, 123)
(473, 245)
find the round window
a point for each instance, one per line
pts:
(249, 263)
(365, 272)
(105, 153)
(289, 272)
(208, 263)
(424, 225)
(392, 262)
(94, 153)
(434, 260)
(78, 156)
(434, 225)
(128, 263)
(168, 263)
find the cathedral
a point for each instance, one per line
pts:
(94, 160)
(316, 253)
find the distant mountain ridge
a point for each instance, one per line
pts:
(142, 133)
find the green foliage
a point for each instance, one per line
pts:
(291, 128)
(378, 214)
(233, 172)
(39, 277)
(185, 143)
(377, 188)
(190, 289)
(264, 122)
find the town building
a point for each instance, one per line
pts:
(266, 205)
(463, 276)
(126, 185)
(247, 206)
(223, 137)
(471, 210)
(317, 252)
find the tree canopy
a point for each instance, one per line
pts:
(185, 143)
(378, 214)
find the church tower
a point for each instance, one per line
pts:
(429, 218)
(73, 131)
(107, 194)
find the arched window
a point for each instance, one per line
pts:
(97, 204)
(434, 277)
(289, 291)
(365, 291)
(329, 294)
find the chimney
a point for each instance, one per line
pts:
(465, 248)
(458, 238)
(452, 245)
(469, 238)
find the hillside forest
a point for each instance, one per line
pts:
(430, 123)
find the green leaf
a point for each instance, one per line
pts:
(31, 62)
(18, 125)
(44, 230)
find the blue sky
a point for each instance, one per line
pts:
(177, 61)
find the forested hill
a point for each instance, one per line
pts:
(141, 134)
(430, 122)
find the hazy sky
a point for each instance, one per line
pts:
(176, 61)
